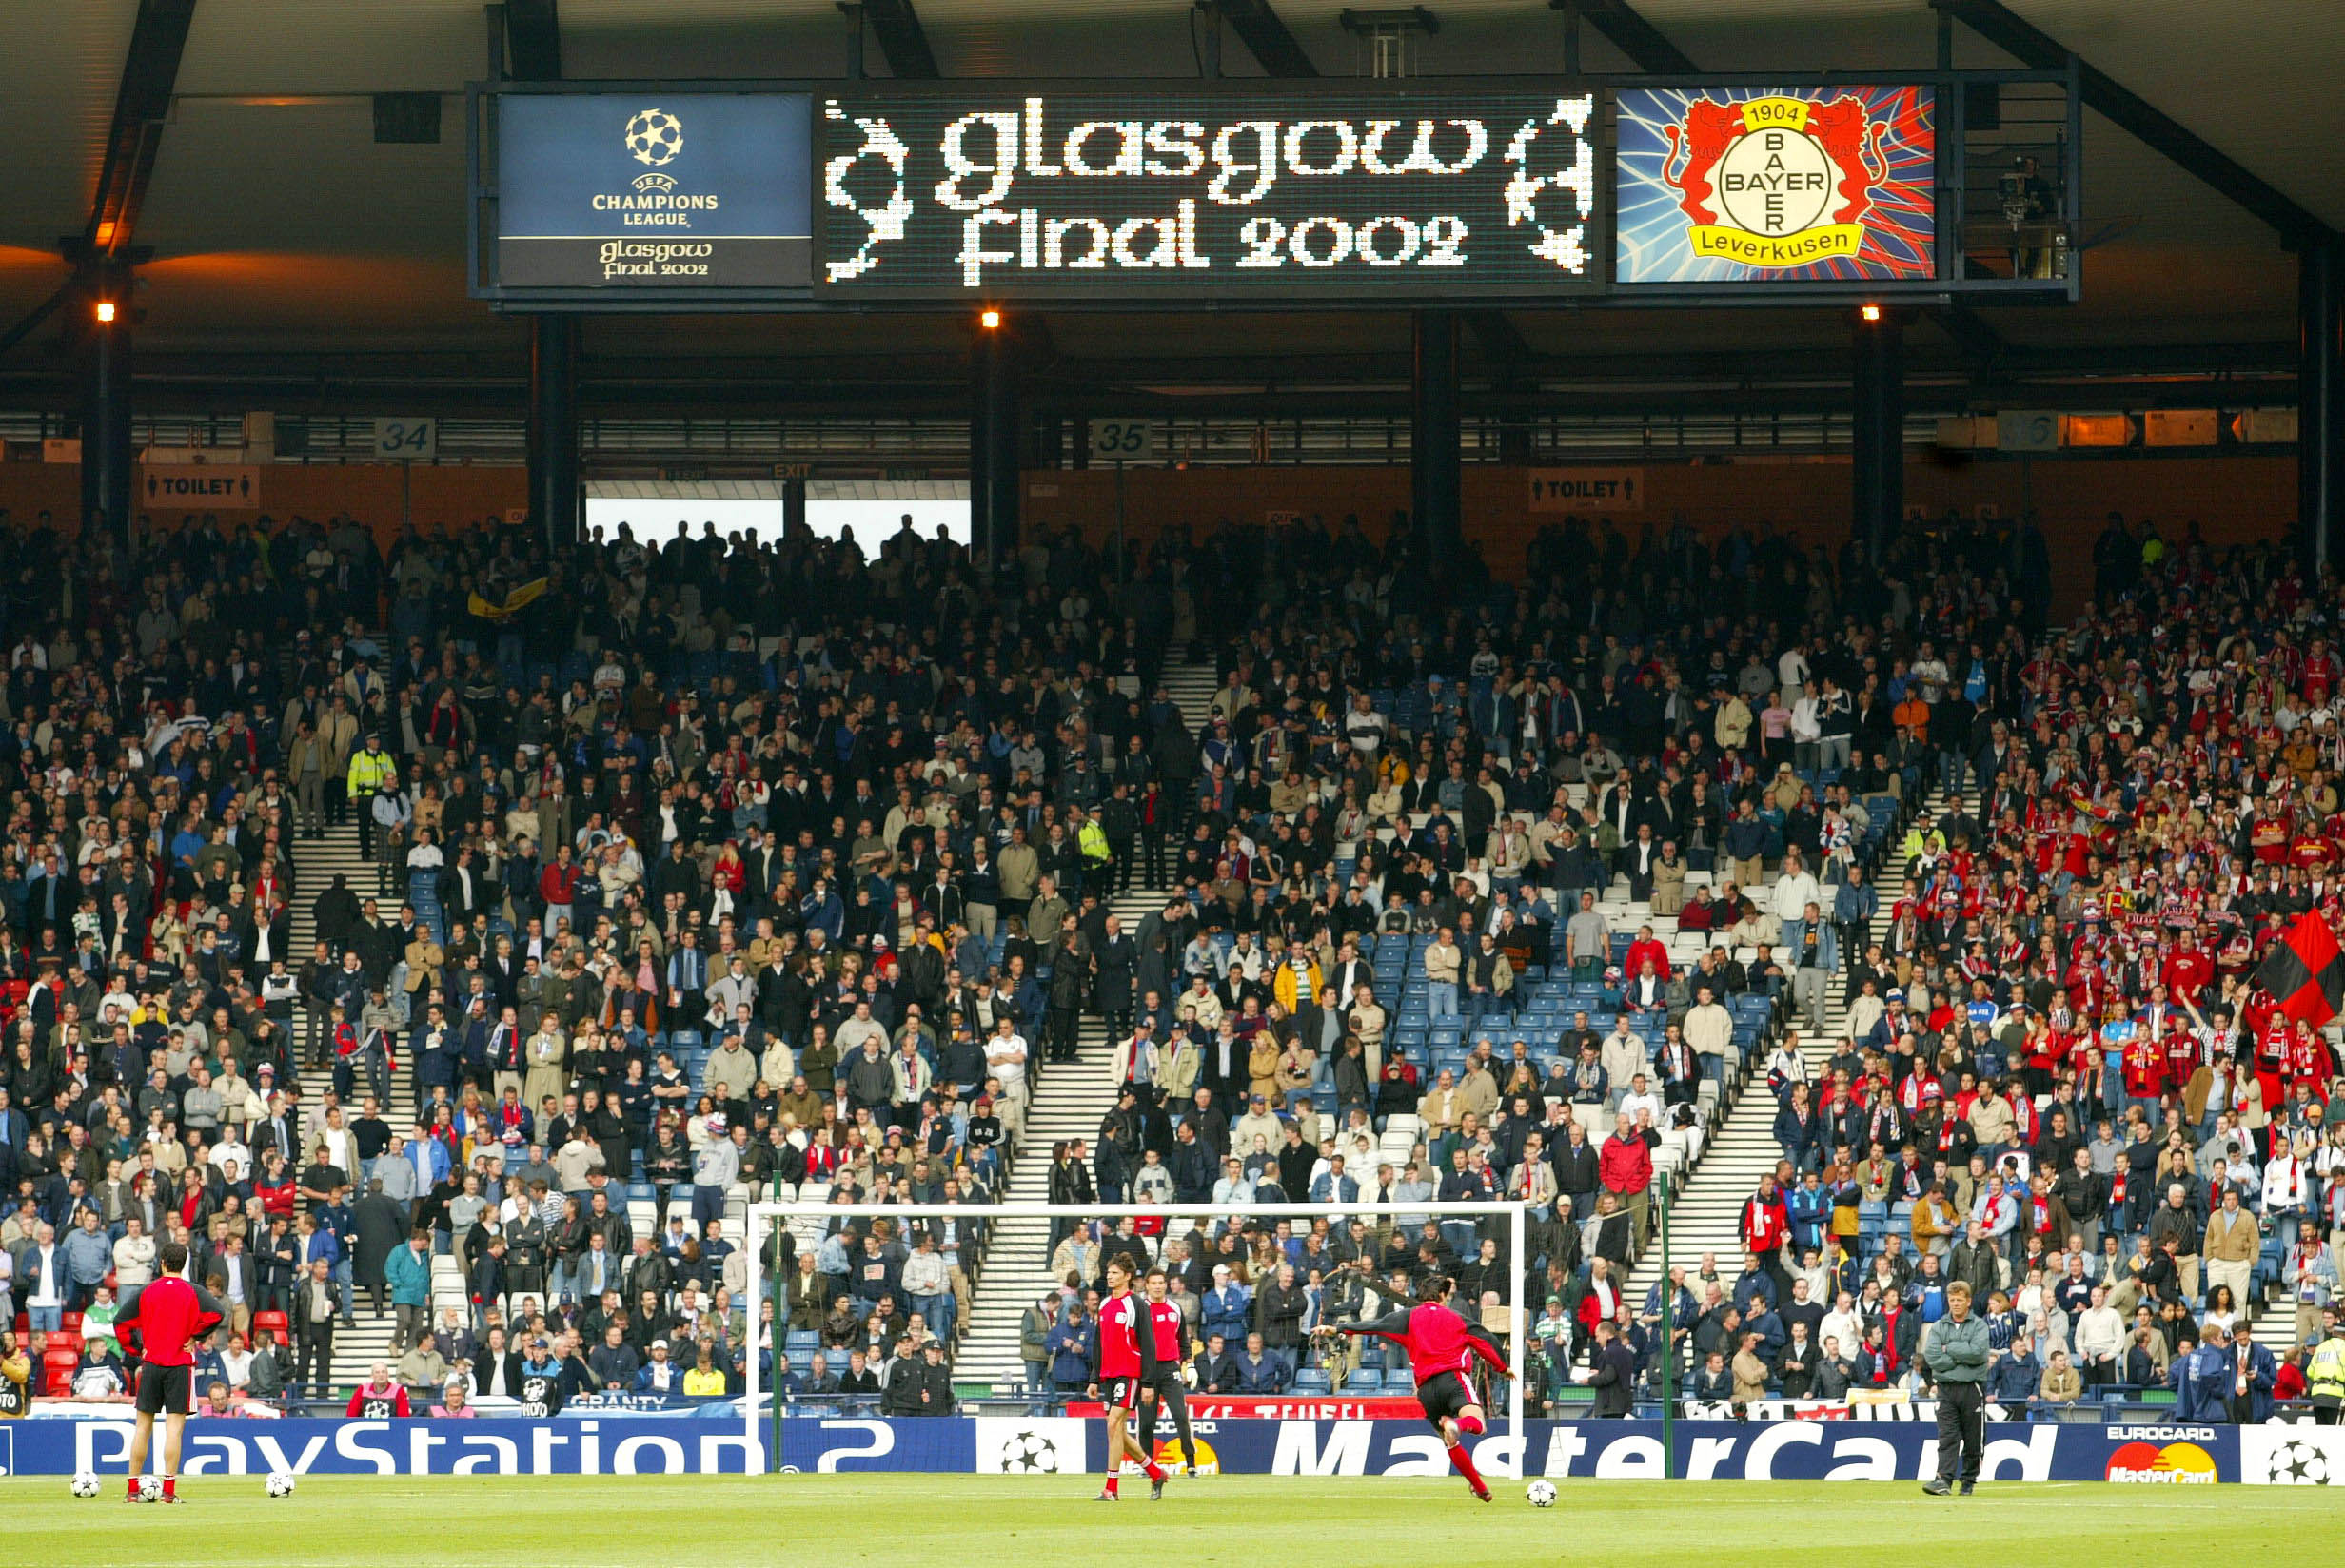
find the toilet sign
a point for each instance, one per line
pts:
(1587, 489)
(219, 487)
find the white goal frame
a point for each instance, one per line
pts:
(757, 1419)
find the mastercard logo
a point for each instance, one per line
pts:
(2176, 1464)
(1168, 1453)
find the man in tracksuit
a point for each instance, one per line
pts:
(1955, 1356)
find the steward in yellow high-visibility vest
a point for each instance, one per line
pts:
(2324, 1379)
(371, 767)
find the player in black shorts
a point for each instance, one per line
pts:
(1169, 1389)
(165, 1390)
(1444, 1398)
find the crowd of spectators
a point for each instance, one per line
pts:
(684, 885)
(722, 867)
(2059, 1079)
(1387, 898)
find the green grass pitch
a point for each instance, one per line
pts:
(911, 1520)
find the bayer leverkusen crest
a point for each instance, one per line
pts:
(1728, 184)
(1778, 182)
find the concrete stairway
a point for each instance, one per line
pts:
(1069, 1101)
(1706, 1216)
(316, 863)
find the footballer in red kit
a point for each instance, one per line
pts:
(1167, 1390)
(1127, 1363)
(1441, 1350)
(158, 1322)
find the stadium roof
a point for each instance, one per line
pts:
(284, 235)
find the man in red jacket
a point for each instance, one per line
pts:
(1625, 1165)
(1766, 1225)
(160, 1319)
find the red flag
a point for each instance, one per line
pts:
(2305, 971)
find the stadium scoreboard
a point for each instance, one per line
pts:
(879, 195)
(653, 192)
(1361, 195)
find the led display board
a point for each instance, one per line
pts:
(650, 191)
(1358, 194)
(1798, 187)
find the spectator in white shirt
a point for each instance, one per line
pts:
(1641, 1098)
(1005, 1057)
(1795, 889)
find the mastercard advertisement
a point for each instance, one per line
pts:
(2169, 1464)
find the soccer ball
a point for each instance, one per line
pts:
(85, 1484)
(2296, 1462)
(280, 1483)
(655, 137)
(1029, 1454)
(1539, 1493)
(149, 1488)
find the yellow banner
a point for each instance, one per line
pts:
(1809, 245)
(512, 604)
(1776, 114)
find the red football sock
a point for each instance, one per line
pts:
(1470, 1425)
(134, 1486)
(170, 1486)
(1113, 1476)
(1465, 1466)
(1155, 1470)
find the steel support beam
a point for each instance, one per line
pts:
(1982, 348)
(149, 72)
(2321, 399)
(1878, 436)
(554, 497)
(901, 39)
(1628, 31)
(2104, 94)
(1205, 29)
(108, 500)
(992, 444)
(533, 40)
(1266, 38)
(102, 251)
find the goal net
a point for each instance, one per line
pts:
(860, 1284)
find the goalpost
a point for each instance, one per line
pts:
(761, 1415)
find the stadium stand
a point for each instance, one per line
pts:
(495, 964)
